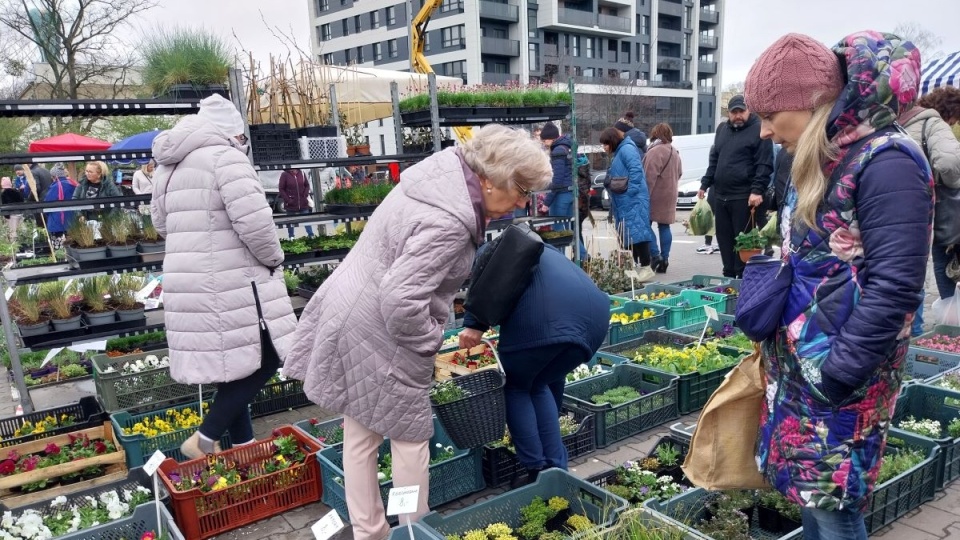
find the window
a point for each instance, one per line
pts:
(323, 5)
(646, 53)
(625, 53)
(500, 33)
(686, 70)
(392, 48)
(391, 16)
(688, 17)
(346, 27)
(328, 59)
(377, 52)
(451, 5)
(686, 43)
(325, 34)
(588, 72)
(383, 145)
(347, 56)
(532, 30)
(455, 69)
(576, 45)
(533, 56)
(590, 50)
(343, 2)
(359, 55)
(375, 19)
(426, 41)
(357, 24)
(452, 36)
(645, 25)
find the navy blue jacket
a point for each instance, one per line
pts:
(561, 161)
(561, 305)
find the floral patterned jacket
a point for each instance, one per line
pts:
(833, 369)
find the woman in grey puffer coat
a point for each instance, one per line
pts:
(221, 239)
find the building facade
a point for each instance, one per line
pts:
(659, 58)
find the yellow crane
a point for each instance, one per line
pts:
(419, 60)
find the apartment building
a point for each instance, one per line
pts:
(659, 58)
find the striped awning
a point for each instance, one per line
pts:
(941, 72)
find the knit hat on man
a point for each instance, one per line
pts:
(550, 132)
(796, 73)
(221, 112)
(623, 125)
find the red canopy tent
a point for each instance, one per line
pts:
(68, 142)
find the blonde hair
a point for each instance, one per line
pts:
(505, 155)
(104, 169)
(814, 150)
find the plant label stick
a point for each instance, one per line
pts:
(403, 500)
(200, 397)
(328, 526)
(711, 314)
(150, 467)
(633, 286)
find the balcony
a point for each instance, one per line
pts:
(707, 68)
(500, 78)
(669, 36)
(614, 23)
(669, 62)
(576, 17)
(709, 16)
(499, 46)
(550, 50)
(498, 11)
(708, 42)
(677, 85)
(673, 9)
(706, 90)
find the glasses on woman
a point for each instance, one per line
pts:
(526, 192)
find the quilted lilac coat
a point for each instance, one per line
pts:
(209, 205)
(366, 341)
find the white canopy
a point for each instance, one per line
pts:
(941, 72)
(363, 94)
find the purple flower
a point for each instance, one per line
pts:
(212, 480)
(644, 490)
(175, 478)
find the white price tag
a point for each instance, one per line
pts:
(631, 274)
(155, 460)
(328, 526)
(151, 303)
(403, 500)
(9, 293)
(711, 313)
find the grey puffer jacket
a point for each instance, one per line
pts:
(366, 341)
(209, 205)
(943, 149)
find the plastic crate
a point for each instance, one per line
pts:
(618, 301)
(659, 337)
(930, 402)
(87, 413)
(142, 520)
(656, 405)
(683, 431)
(449, 480)
(139, 448)
(585, 499)
(500, 464)
(604, 479)
(687, 509)
(419, 532)
(908, 490)
(622, 332)
(322, 148)
(695, 330)
(202, 515)
(686, 308)
(278, 397)
(924, 363)
(135, 477)
(144, 391)
(700, 282)
(307, 428)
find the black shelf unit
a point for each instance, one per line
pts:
(342, 162)
(53, 272)
(96, 107)
(479, 116)
(104, 203)
(68, 157)
(320, 217)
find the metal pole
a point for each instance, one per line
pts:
(397, 124)
(25, 400)
(334, 109)
(575, 183)
(434, 111)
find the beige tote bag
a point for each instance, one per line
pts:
(722, 451)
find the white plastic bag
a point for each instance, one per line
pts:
(946, 311)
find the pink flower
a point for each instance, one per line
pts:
(905, 77)
(52, 449)
(7, 466)
(846, 244)
(839, 476)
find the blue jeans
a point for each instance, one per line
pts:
(827, 525)
(290, 228)
(945, 285)
(666, 242)
(917, 327)
(534, 396)
(562, 205)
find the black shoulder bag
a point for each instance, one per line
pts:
(502, 273)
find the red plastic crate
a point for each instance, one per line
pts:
(202, 515)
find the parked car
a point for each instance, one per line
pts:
(597, 190)
(687, 193)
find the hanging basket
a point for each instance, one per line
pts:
(480, 417)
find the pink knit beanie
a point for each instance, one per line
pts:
(796, 73)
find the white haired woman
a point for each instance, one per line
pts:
(365, 343)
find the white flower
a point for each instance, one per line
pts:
(61, 500)
(665, 479)
(127, 495)
(381, 476)
(142, 489)
(7, 521)
(110, 370)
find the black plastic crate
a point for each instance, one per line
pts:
(277, 397)
(500, 464)
(604, 479)
(87, 412)
(899, 495)
(931, 402)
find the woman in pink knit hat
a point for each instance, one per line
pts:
(856, 230)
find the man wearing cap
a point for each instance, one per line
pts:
(560, 198)
(738, 175)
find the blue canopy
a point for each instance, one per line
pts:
(141, 142)
(941, 72)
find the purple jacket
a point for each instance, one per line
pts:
(294, 188)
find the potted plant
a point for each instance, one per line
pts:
(116, 229)
(25, 309)
(58, 297)
(749, 244)
(357, 144)
(96, 311)
(152, 245)
(83, 245)
(185, 64)
(123, 293)
(417, 140)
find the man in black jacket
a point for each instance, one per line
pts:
(738, 175)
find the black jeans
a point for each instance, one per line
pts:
(230, 410)
(731, 217)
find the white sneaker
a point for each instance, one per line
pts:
(704, 249)
(645, 274)
(712, 250)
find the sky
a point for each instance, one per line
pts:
(750, 25)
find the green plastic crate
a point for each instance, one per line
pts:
(323, 425)
(899, 495)
(656, 405)
(139, 448)
(449, 480)
(278, 397)
(686, 308)
(601, 507)
(696, 330)
(622, 332)
(690, 507)
(700, 282)
(925, 363)
(145, 391)
(420, 532)
(930, 402)
(618, 301)
(456, 332)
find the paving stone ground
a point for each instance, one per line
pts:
(937, 519)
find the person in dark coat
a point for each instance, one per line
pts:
(61, 190)
(43, 178)
(96, 183)
(781, 177)
(631, 209)
(295, 190)
(559, 322)
(560, 197)
(635, 133)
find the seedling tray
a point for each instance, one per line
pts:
(87, 412)
(278, 397)
(624, 332)
(139, 448)
(686, 308)
(930, 402)
(145, 391)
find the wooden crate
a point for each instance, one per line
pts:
(445, 368)
(114, 464)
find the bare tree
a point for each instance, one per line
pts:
(925, 40)
(77, 46)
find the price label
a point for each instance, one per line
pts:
(155, 460)
(632, 274)
(328, 526)
(711, 313)
(403, 500)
